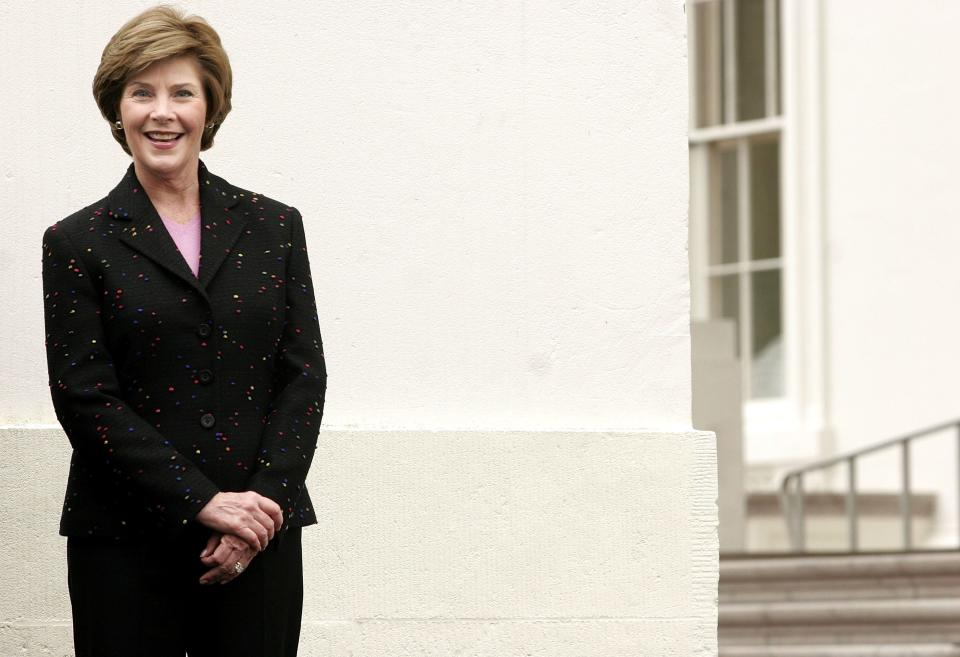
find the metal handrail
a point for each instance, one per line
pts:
(791, 492)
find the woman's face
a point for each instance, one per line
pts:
(163, 110)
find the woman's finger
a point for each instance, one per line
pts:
(239, 545)
(222, 560)
(272, 509)
(212, 543)
(231, 547)
(232, 573)
(215, 575)
(277, 517)
(222, 554)
(248, 536)
(266, 522)
(227, 572)
(262, 536)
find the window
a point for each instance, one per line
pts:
(735, 155)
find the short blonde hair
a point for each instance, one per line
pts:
(158, 33)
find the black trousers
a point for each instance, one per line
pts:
(143, 599)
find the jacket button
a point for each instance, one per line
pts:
(206, 376)
(207, 420)
(204, 330)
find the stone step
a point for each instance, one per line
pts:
(916, 575)
(840, 622)
(861, 650)
(880, 524)
(818, 503)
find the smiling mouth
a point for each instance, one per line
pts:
(163, 137)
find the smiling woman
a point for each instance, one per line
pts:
(162, 114)
(186, 367)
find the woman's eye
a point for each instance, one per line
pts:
(139, 92)
(187, 92)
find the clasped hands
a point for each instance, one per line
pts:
(242, 524)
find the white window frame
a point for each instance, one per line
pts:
(797, 426)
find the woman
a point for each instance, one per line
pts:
(186, 368)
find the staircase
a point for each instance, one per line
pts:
(863, 605)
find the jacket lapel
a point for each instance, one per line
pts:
(145, 232)
(221, 223)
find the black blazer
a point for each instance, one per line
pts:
(171, 388)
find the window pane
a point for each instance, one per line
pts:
(765, 199)
(751, 69)
(767, 347)
(724, 231)
(709, 64)
(725, 301)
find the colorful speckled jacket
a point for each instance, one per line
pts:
(172, 387)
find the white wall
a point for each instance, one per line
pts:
(493, 192)
(495, 198)
(892, 209)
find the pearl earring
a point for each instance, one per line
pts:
(118, 125)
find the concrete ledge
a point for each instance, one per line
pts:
(865, 650)
(817, 613)
(833, 567)
(450, 542)
(842, 634)
(934, 586)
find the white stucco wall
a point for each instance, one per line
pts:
(493, 193)
(892, 208)
(495, 199)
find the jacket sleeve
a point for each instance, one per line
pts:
(110, 436)
(292, 423)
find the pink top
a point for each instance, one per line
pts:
(187, 238)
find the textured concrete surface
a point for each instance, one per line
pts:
(441, 543)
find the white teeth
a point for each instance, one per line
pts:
(163, 136)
